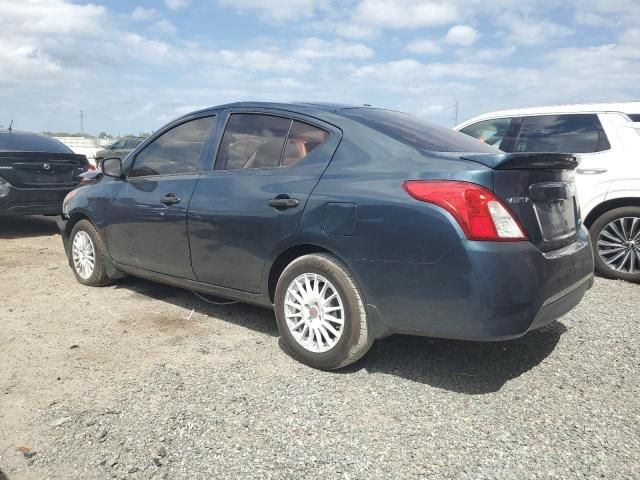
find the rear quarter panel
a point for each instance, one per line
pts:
(403, 252)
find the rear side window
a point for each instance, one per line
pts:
(266, 141)
(132, 143)
(175, 151)
(303, 139)
(491, 132)
(635, 117)
(579, 133)
(416, 133)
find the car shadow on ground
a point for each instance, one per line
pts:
(29, 226)
(258, 319)
(472, 368)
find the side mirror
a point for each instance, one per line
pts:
(112, 167)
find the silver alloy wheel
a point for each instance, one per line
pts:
(619, 244)
(84, 254)
(314, 312)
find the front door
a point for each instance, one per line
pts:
(265, 169)
(147, 218)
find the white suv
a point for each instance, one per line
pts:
(606, 142)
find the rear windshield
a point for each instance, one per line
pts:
(417, 133)
(30, 142)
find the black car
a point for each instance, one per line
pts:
(352, 223)
(36, 173)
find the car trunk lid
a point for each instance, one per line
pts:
(42, 169)
(539, 188)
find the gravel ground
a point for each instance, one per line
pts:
(140, 380)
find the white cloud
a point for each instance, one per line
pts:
(462, 35)
(631, 37)
(593, 19)
(176, 4)
(141, 13)
(424, 46)
(355, 31)
(405, 13)
(164, 26)
(312, 48)
(530, 31)
(276, 10)
(50, 16)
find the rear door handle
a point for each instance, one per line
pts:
(282, 203)
(170, 199)
(591, 171)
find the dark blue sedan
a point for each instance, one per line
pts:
(353, 223)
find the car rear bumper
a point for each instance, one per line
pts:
(479, 290)
(32, 201)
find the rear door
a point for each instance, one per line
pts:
(267, 164)
(147, 217)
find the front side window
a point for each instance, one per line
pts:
(575, 133)
(175, 151)
(490, 132)
(266, 141)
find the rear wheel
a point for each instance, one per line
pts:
(87, 258)
(616, 243)
(320, 312)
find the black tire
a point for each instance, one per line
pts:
(99, 275)
(355, 340)
(602, 267)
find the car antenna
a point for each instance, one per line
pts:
(10, 126)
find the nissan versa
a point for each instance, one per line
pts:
(353, 223)
(36, 173)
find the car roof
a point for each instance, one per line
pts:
(622, 107)
(318, 109)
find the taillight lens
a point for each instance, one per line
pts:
(479, 212)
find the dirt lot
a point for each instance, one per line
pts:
(140, 380)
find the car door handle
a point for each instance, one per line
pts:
(282, 203)
(170, 199)
(591, 171)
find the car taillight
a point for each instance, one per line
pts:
(479, 212)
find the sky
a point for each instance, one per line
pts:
(134, 65)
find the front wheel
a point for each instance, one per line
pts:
(320, 312)
(616, 243)
(87, 256)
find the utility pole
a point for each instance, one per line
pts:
(456, 108)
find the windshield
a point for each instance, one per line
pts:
(415, 132)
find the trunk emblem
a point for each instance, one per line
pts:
(46, 166)
(518, 199)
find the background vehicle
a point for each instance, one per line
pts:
(353, 223)
(118, 149)
(36, 173)
(607, 145)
